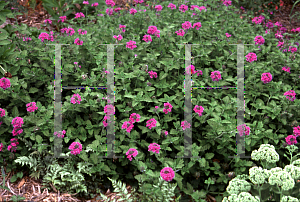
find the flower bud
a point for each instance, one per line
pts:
(149, 84)
(231, 175)
(284, 144)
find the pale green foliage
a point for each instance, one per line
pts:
(65, 176)
(267, 153)
(283, 179)
(242, 197)
(289, 199)
(257, 175)
(296, 163)
(238, 185)
(294, 171)
(38, 164)
(163, 191)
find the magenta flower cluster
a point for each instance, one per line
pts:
(166, 173)
(291, 139)
(4, 83)
(76, 98)
(31, 107)
(75, 148)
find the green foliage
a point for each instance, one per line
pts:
(160, 192)
(282, 183)
(213, 133)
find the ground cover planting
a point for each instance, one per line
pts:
(127, 74)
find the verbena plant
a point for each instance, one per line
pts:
(149, 100)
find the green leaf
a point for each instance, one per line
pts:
(15, 111)
(94, 158)
(19, 174)
(5, 42)
(13, 178)
(39, 139)
(106, 168)
(209, 155)
(33, 90)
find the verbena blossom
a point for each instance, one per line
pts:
(296, 131)
(291, 95)
(81, 32)
(75, 148)
(292, 49)
(133, 11)
(109, 110)
(2, 112)
(186, 25)
(216, 76)
(147, 38)
(76, 98)
(60, 135)
(167, 108)
(138, 2)
(110, 3)
(78, 42)
(185, 125)
(243, 128)
(151, 123)
(131, 45)
(116, 10)
(122, 27)
(109, 11)
(251, 57)
(154, 147)
(17, 122)
(31, 107)
(134, 117)
(266, 77)
(28, 38)
(269, 25)
(119, 37)
(259, 40)
(158, 8)
(69, 31)
(78, 15)
(167, 174)
(172, 6)
(291, 139)
(199, 110)
(95, 4)
(13, 146)
(128, 125)
(287, 69)
(62, 18)
(227, 3)
(180, 32)
(131, 153)
(48, 20)
(152, 74)
(4, 83)
(183, 8)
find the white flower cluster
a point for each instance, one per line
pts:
(239, 187)
(267, 153)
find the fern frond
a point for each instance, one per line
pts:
(24, 160)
